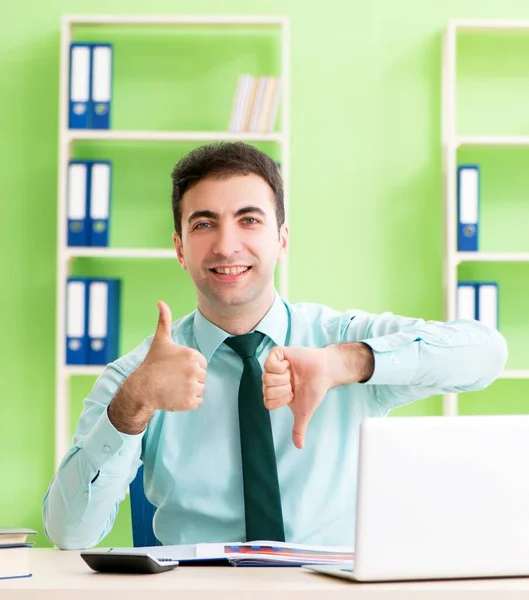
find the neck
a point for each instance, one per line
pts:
(237, 319)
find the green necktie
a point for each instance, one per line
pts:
(262, 498)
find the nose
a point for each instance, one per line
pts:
(227, 240)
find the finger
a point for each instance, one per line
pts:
(273, 379)
(201, 359)
(201, 375)
(196, 403)
(200, 390)
(273, 393)
(301, 421)
(275, 361)
(284, 400)
(163, 330)
(192, 402)
(195, 372)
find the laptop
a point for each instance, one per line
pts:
(440, 498)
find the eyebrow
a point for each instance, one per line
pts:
(209, 214)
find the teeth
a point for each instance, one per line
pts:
(231, 270)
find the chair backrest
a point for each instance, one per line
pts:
(142, 513)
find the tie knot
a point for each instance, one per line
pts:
(245, 345)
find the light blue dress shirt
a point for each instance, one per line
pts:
(193, 459)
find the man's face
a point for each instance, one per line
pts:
(230, 243)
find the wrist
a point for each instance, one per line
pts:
(129, 410)
(350, 363)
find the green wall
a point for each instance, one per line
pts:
(366, 207)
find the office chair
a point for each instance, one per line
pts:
(142, 513)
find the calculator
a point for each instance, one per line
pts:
(125, 562)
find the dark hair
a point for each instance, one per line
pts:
(222, 160)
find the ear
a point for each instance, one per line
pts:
(283, 242)
(177, 242)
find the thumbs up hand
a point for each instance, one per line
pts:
(299, 377)
(173, 377)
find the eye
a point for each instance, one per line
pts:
(201, 225)
(250, 220)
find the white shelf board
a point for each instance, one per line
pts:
(170, 136)
(492, 140)
(89, 252)
(515, 374)
(175, 20)
(495, 25)
(492, 257)
(83, 370)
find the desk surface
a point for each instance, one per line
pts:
(64, 575)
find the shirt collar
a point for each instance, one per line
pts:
(274, 325)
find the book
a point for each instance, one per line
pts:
(103, 320)
(101, 86)
(257, 105)
(77, 320)
(99, 203)
(468, 201)
(77, 199)
(13, 535)
(487, 303)
(271, 115)
(244, 102)
(14, 552)
(14, 561)
(266, 106)
(234, 118)
(479, 301)
(79, 87)
(255, 553)
(466, 300)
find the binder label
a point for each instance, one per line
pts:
(469, 199)
(75, 311)
(80, 78)
(97, 320)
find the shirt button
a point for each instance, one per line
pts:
(106, 448)
(121, 453)
(86, 494)
(396, 360)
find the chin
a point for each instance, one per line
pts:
(236, 299)
(229, 298)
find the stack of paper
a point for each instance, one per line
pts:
(277, 553)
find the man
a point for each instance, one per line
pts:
(246, 412)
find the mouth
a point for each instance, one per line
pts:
(230, 273)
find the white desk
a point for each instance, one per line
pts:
(65, 576)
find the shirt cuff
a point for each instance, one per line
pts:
(393, 366)
(107, 447)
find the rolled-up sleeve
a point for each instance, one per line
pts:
(82, 500)
(415, 359)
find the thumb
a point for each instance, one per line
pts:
(302, 415)
(301, 421)
(163, 330)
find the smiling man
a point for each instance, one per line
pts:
(246, 412)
